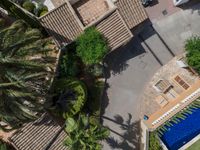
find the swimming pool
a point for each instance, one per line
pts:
(179, 134)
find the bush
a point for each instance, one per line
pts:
(18, 13)
(91, 46)
(96, 70)
(29, 6)
(193, 44)
(192, 47)
(154, 143)
(94, 101)
(43, 13)
(72, 95)
(2, 23)
(41, 10)
(69, 65)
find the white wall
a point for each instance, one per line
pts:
(49, 4)
(179, 2)
(72, 2)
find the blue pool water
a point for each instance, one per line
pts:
(179, 134)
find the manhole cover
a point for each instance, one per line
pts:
(164, 12)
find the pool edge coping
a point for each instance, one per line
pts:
(190, 143)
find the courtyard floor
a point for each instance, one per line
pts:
(131, 67)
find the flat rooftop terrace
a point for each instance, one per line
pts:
(171, 89)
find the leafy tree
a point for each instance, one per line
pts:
(192, 47)
(25, 67)
(83, 136)
(91, 46)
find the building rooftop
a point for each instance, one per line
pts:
(38, 134)
(62, 24)
(71, 18)
(176, 92)
(132, 12)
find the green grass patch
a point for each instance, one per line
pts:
(195, 146)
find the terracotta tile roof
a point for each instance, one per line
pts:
(58, 144)
(37, 135)
(62, 24)
(132, 12)
(114, 30)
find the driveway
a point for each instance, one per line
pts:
(132, 66)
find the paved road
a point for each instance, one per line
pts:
(132, 66)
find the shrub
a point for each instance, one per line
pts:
(72, 96)
(18, 13)
(154, 143)
(41, 10)
(193, 44)
(69, 65)
(29, 6)
(91, 46)
(43, 13)
(96, 70)
(2, 23)
(192, 47)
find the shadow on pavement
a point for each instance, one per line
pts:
(116, 61)
(194, 5)
(130, 139)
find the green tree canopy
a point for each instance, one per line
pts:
(91, 46)
(192, 47)
(25, 66)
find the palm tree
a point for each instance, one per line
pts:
(83, 136)
(25, 70)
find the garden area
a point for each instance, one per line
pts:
(36, 8)
(195, 146)
(154, 143)
(33, 81)
(78, 88)
(192, 48)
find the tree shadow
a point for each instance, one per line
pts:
(194, 5)
(104, 100)
(130, 139)
(116, 61)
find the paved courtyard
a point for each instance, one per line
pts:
(131, 67)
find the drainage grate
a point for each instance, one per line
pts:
(164, 12)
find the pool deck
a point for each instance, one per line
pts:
(178, 101)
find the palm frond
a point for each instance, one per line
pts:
(18, 94)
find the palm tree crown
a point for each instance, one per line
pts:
(25, 70)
